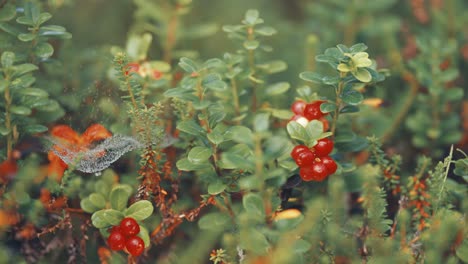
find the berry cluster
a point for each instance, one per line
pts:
(315, 163)
(143, 70)
(125, 236)
(304, 112)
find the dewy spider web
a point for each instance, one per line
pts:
(93, 159)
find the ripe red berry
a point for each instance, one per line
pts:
(298, 107)
(157, 74)
(312, 111)
(135, 245)
(330, 164)
(305, 157)
(116, 240)
(132, 67)
(115, 229)
(297, 150)
(323, 148)
(315, 172)
(129, 227)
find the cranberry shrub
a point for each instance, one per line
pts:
(261, 141)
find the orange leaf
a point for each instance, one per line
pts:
(94, 133)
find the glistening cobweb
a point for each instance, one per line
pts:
(93, 159)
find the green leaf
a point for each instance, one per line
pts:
(273, 66)
(265, 31)
(7, 59)
(35, 92)
(144, 235)
(352, 97)
(240, 134)
(199, 155)
(314, 130)
(191, 127)
(251, 44)
(251, 16)
(277, 88)
(213, 81)
(140, 210)
(20, 110)
(188, 65)
(97, 200)
(119, 198)
(43, 17)
(331, 80)
(24, 68)
(54, 31)
(363, 75)
(25, 21)
(32, 129)
(88, 206)
(252, 240)
(213, 221)
(359, 47)
(297, 131)
(44, 50)
(327, 107)
(349, 109)
(215, 137)
(98, 219)
(26, 37)
(113, 217)
(31, 11)
(7, 12)
(216, 187)
(462, 251)
(253, 204)
(453, 94)
(234, 161)
(311, 77)
(185, 165)
(261, 122)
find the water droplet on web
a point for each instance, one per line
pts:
(93, 159)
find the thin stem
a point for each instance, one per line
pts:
(338, 101)
(235, 95)
(251, 60)
(8, 124)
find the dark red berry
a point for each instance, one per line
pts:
(323, 148)
(312, 111)
(298, 107)
(305, 157)
(297, 150)
(135, 245)
(116, 240)
(157, 74)
(129, 227)
(315, 172)
(330, 164)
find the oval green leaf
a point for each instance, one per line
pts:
(140, 210)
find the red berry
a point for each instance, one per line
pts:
(330, 164)
(157, 74)
(115, 229)
(132, 67)
(135, 245)
(116, 240)
(312, 111)
(305, 157)
(298, 107)
(315, 172)
(129, 227)
(297, 150)
(323, 148)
